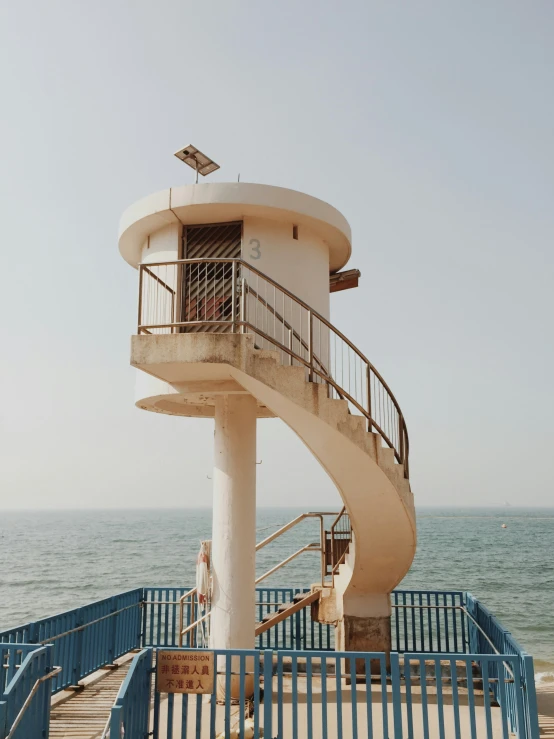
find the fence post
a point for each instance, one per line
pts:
(3, 719)
(268, 691)
(396, 694)
(78, 653)
(33, 633)
(116, 722)
(141, 636)
(113, 630)
(530, 697)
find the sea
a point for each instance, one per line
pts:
(51, 561)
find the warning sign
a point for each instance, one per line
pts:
(180, 671)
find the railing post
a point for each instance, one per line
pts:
(401, 437)
(311, 345)
(33, 633)
(116, 722)
(234, 298)
(268, 691)
(78, 653)
(530, 697)
(113, 630)
(139, 317)
(3, 719)
(396, 694)
(243, 306)
(368, 384)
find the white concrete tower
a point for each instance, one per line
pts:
(233, 324)
(293, 239)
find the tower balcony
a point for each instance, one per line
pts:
(230, 296)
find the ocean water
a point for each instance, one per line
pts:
(57, 560)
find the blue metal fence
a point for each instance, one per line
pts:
(428, 621)
(160, 620)
(86, 638)
(295, 632)
(289, 693)
(453, 624)
(129, 716)
(488, 636)
(27, 689)
(11, 657)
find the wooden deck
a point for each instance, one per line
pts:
(83, 714)
(545, 700)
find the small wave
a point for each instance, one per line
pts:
(543, 678)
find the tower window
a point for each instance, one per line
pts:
(295, 232)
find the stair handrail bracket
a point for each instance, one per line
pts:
(222, 295)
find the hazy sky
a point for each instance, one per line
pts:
(428, 124)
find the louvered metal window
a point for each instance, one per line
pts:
(207, 288)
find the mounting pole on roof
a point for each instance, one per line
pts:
(199, 162)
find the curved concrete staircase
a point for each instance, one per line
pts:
(371, 483)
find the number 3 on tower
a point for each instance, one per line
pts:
(255, 252)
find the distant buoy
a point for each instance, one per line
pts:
(504, 526)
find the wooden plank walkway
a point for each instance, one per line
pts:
(85, 713)
(545, 700)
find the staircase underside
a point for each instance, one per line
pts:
(371, 485)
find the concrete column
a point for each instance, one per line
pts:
(234, 523)
(365, 626)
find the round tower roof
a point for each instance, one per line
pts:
(217, 202)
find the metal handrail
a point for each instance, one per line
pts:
(343, 516)
(401, 453)
(307, 548)
(190, 594)
(55, 671)
(295, 522)
(89, 623)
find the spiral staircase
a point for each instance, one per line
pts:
(244, 340)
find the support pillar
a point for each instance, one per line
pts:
(365, 626)
(234, 523)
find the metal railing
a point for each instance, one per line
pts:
(188, 601)
(425, 624)
(281, 694)
(25, 702)
(337, 541)
(229, 295)
(87, 638)
(130, 713)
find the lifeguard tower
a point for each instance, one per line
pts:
(234, 324)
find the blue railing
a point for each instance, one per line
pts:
(130, 713)
(26, 689)
(488, 636)
(428, 621)
(11, 657)
(423, 622)
(289, 693)
(160, 620)
(86, 638)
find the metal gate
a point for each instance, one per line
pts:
(207, 288)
